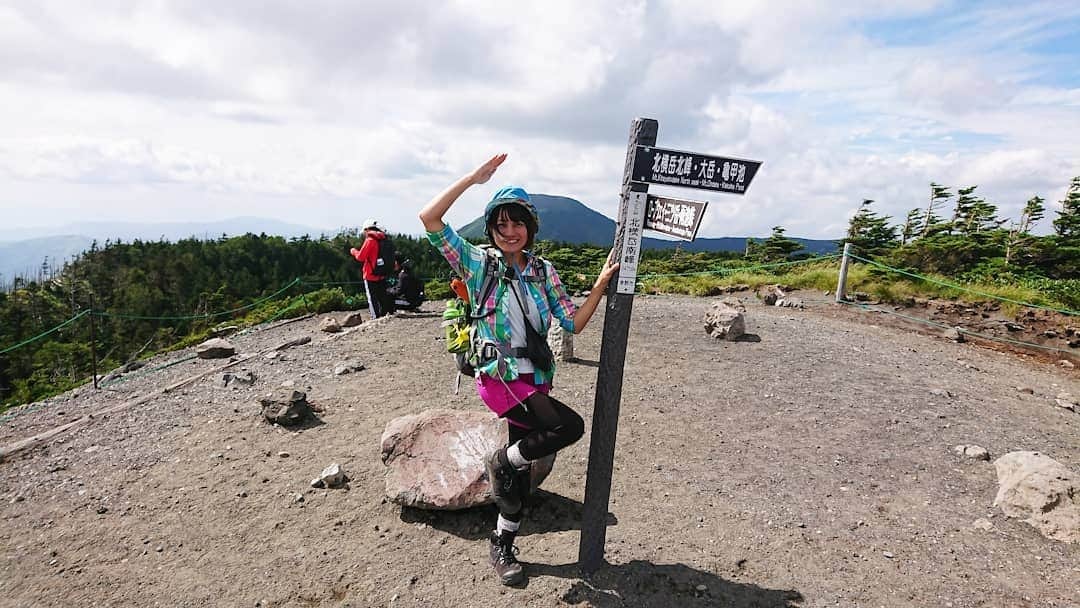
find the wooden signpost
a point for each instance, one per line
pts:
(645, 164)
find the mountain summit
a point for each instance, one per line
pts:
(568, 220)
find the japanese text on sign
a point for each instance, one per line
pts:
(631, 245)
(674, 217)
(691, 170)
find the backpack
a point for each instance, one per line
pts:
(459, 320)
(385, 259)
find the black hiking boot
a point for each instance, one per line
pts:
(506, 565)
(504, 482)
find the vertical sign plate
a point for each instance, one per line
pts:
(631, 245)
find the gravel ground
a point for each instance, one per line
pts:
(811, 465)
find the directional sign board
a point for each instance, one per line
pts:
(674, 217)
(692, 170)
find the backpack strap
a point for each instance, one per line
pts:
(491, 277)
(539, 264)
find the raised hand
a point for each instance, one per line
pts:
(483, 173)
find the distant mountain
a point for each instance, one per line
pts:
(170, 231)
(24, 258)
(568, 220)
(23, 251)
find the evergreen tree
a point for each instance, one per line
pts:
(776, 248)
(1020, 234)
(870, 233)
(932, 224)
(1067, 223)
(965, 203)
(912, 226)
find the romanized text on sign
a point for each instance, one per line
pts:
(692, 170)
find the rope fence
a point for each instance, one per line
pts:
(702, 273)
(920, 277)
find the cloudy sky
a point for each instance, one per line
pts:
(325, 113)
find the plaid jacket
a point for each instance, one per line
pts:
(550, 296)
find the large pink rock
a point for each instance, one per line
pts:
(435, 459)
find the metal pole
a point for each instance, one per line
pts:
(609, 377)
(841, 285)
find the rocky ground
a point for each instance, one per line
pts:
(809, 465)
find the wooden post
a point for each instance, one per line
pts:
(841, 284)
(93, 341)
(609, 377)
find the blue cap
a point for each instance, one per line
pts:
(509, 195)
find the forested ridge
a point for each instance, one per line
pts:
(130, 300)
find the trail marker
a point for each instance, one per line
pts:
(645, 164)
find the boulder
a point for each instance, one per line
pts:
(973, 452)
(435, 459)
(561, 342)
(329, 325)
(286, 407)
(352, 319)
(733, 302)
(348, 367)
(723, 322)
(953, 333)
(331, 477)
(771, 294)
(215, 348)
(243, 377)
(1041, 490)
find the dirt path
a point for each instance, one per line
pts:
(812, 468)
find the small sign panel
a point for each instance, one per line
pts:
(631, 244)
(674, 217)
(692, 170)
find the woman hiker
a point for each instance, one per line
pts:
(516, 388)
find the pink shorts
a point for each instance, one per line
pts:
(495, 395)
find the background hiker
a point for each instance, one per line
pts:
(409, 292)
(513, 378)
(377, 257)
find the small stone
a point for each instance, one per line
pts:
(298, 498)
(1026, 389)
(982, 524)
(283, 454)
(102, 510)
(1066, 364)
(973, 452)
(702, 588)
(159, 549)
(887, 554)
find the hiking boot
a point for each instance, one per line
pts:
(503, 559)
(504, 482)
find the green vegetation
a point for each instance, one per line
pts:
(149, 297)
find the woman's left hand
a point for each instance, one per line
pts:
(609, 270)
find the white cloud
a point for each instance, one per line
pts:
(278, 109)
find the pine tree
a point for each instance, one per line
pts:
(965, 202)
(1020, 234)
(912, 226)
(869, 232)
(1067, 223)
(776, 248)
(932, 224)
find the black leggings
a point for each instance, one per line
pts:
(551, 426)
